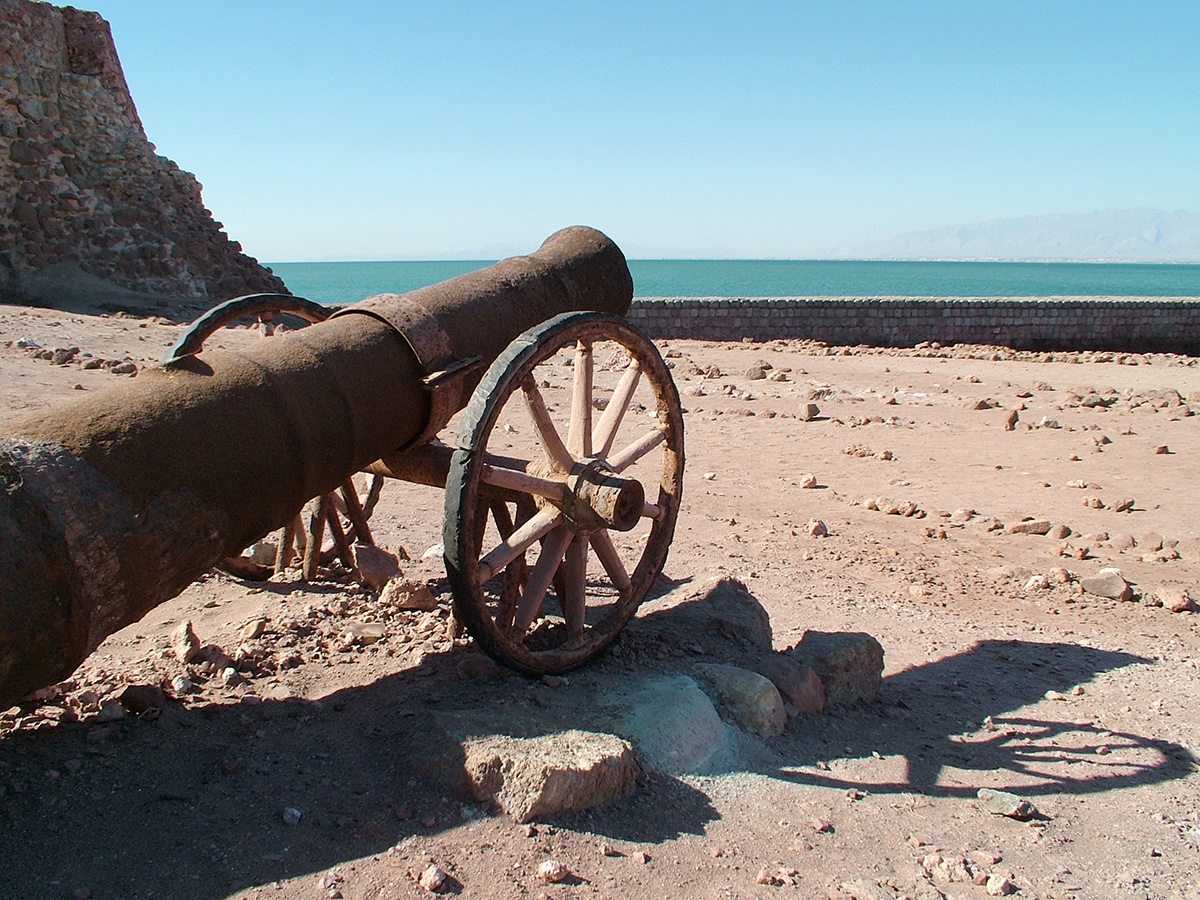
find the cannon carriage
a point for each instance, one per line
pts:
(562, 476)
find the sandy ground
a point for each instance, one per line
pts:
(1085, 706)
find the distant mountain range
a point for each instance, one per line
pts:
(1111, 235)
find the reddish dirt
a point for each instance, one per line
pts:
(1085, 706)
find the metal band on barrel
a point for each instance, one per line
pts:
(431, 344)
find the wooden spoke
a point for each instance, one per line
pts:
(579, 434)
(514, 480)
(515, 574)
(556, 451)
(286, 548)
(315, 536)
(607, 554)
(610, 422)
(575, 604)
(354, 512)
(639, 448)
(339, 536)
(373, 493)
(518, 542)
(540, 577)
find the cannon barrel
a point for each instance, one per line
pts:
(114, 503)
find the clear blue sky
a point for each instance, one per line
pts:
(391, 130)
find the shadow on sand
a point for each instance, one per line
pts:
(190, 805)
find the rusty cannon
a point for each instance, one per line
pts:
(559, 505)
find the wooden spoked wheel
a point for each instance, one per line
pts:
(563, 491)
(297, 537)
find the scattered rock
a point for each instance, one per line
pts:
(1093, 502)
(1059, 532)
(1123, 542)
(374, 566)
(1176, 599)
(1123, 505)
(400, 593)
(1162, 449)
(764, 876)
(999, 886)
(139, 698)
(1151, 541)
(433, 879)
(749, 699)
(807, 412)
(252, 629)
(1059, 575)
(1107, 583)
(1029, 526)
(808, 481)
(290, 815)
(947, 869)
(1007, 419)
(184, 643)
(363, 632)
(1002, 803)
(756, 372)
(1037, 583)
(553, 872)
(850, 664)
(961, 516)
(816, 528)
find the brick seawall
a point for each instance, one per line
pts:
(1131, 324)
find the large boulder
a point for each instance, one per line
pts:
(672, 724)
(747, 698)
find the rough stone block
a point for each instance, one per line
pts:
(800, 686)
(539, 777)
(850, 664)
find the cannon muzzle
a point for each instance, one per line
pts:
(114, 503)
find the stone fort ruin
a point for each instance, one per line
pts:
(87, 208)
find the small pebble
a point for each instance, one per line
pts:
(553, 872)
(433, 879)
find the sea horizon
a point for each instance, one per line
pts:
(346, 281)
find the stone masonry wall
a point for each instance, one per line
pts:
(80, 185)
(1121, 324)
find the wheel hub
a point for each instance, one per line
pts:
(596, 498)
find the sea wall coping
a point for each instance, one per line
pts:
(1131, 324)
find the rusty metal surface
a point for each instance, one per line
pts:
(159, 478)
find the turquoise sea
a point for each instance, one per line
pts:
(347, 282)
